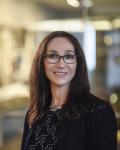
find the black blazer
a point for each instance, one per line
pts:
(94, 129)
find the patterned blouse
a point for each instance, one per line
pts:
(44, 136)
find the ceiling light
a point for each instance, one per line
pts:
(113, 98)
(73, 3)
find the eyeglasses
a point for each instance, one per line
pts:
(54, 58)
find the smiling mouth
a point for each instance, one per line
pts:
(60, 73)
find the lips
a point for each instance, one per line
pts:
(60, 73)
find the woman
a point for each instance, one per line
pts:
(63, 114)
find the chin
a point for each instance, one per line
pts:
(61, 84)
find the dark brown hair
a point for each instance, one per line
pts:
(40, 92)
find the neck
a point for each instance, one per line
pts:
(59, 95)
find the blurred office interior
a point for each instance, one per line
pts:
(24, 23)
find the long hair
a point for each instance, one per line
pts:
(40, 92)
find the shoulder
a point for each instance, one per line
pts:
(94, 108)
(90, 104)
(101, 122)
(100, 110)
(98, 104)
(94, 103)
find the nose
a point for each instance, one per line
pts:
(61, 63)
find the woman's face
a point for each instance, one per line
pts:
(60, 73)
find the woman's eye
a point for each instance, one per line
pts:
(69, 56)
(52, 56)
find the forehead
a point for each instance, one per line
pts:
(60, 44)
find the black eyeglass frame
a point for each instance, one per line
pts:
(63, 58)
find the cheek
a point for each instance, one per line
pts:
(47, 68)
(74, 68)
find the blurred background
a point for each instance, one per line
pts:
(24, 23)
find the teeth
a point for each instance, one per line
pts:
(60, 73)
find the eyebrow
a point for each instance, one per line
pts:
(65, 51)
